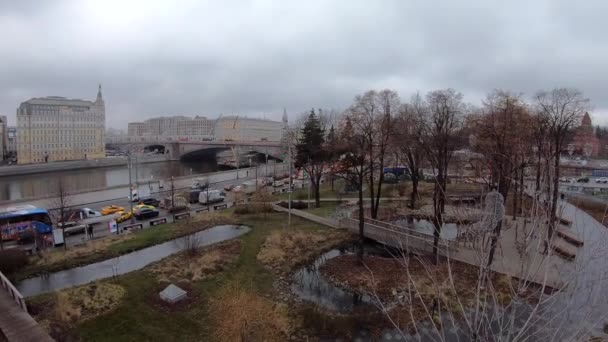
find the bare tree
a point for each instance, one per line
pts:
(61, 208)
(440, 126)
(354, 167)
(563, 109)
(406, 141)
(372, 115)
(499, 130)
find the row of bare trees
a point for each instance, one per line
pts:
(512, 135)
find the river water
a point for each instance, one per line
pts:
(39, 185)
(125, 263)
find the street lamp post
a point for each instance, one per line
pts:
(130, 190)
(172, 198)
(289, 191)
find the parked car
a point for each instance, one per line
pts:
(124, 215)
(571, 180)
(176, 204)
(210, 196)
(72, 228)
(601, 180)
(278, 183)
(193, 196)
(149, 201)
(111, 209)
(143, 206)
(583, 180)
(563, 179)
(145, 213)
(229, 187)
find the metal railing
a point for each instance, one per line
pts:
(400, 234)
(13, 292)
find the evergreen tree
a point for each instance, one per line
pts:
(311, 153)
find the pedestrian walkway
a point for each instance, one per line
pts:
(16, 324)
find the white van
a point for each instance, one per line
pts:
(211, 196)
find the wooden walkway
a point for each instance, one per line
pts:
(16, 324)
(540, 269)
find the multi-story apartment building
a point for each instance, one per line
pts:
(3, 137)
(56, 128)
(172, 126)
(238, 128)
(11, 146)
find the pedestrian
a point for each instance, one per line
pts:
(90, 231)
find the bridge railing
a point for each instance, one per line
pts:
(13, 292)
(401, 236)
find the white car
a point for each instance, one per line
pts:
(601, 180)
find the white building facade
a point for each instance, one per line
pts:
(238, 128)
(173, 126)
(56, 128)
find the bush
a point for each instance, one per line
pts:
(294, 205)
(12, 260)
(242, 209)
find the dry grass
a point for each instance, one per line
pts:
(388, 279)
(284, 250)
(240, 315)
(60, 312)
(59, 255)
(597, 210)
(203, 264)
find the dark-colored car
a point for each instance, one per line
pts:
(583, 180)
(150, 201)
(145, 213)
(193, 196)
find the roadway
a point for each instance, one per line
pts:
(119, 197)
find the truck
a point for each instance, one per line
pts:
(79, 214)
(139, 193)
(249, 187)
(176, 204)
(200, 183)
(210, 196)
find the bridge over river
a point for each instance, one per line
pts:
(177, 148)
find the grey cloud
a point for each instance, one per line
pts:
(154, 58)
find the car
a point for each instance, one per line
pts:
(144, 213)
(583, 180)
(111, 209)
(278, 183)
(601, 180)
(143, 206)
(563, 179)
(237, 189)
(229, 187)
(124, 215)
(70, 228)
(149, 201)
(571, 180)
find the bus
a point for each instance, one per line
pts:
(24, 222)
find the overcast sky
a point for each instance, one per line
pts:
(255, 57)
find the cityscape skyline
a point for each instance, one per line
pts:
(293, 56)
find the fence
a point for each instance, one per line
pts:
(13, 292)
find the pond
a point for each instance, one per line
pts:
(124, 263)
(310, 285)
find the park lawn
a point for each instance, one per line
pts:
(137, 318)
(325, 210)
(388, 191)
(110, 247)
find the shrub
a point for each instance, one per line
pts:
(294, 205)
(242, 209)
(12, 260)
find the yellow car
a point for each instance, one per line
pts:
(142, 206)
(124, 215)
(111, 209)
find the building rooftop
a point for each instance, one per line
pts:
(58, 100)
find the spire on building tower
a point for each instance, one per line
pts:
(99, 99)
(285, 120)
